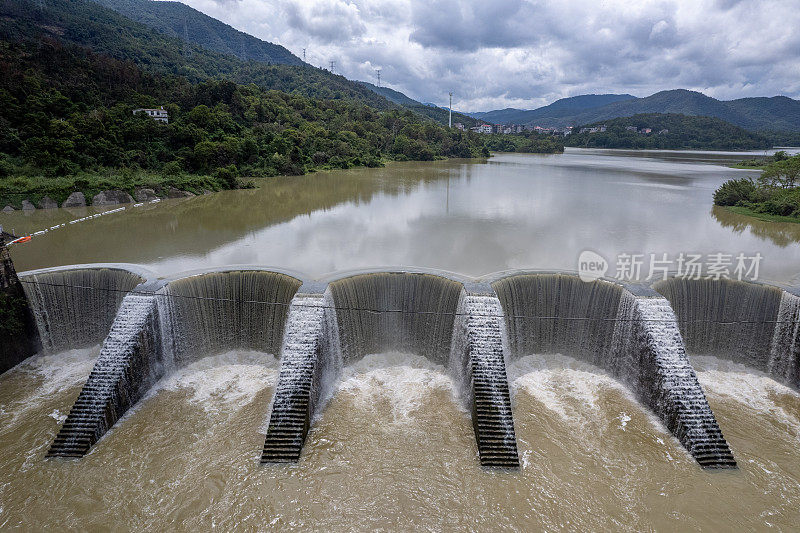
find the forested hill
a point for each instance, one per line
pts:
(778, 113)
(181, 21)
(88, 24)
(68, 124)
(438, 114)
(671, 132)
(775, 114)
(564, 107)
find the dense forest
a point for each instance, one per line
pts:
(669, 131)
(68, 112)
(106, 32)
(774, 195)
(181, 21)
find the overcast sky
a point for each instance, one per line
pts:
(525, 53)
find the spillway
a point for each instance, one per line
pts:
(310, 361)
(478, 358)
(630, 332)
(130, 363)
(750, 323)
(75, 307)
(470, 327)
(415, 312)
(163, 325)
(409, 312)
(217, 311)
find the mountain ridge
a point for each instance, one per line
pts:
(180, 20)
(776, 113)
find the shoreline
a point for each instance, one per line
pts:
(746, 211)
(118, 190)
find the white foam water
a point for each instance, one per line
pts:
(227, 380)
(569, 387)
(57, 372)
(404, 380)
(751, 388)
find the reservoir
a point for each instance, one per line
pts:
(394, 447)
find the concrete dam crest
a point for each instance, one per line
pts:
(149, 327)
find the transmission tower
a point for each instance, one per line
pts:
(333, 65)
(304, 55)
(378, 72)
(450, 117)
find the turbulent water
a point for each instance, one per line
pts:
(394, 449)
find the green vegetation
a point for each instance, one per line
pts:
(108, 33)
(68, 122)
(525, 143)
(776, 193)
(179, 20)
(670, 131)
(760, 163)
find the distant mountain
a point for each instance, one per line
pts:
(670, 131)
(179, 20)
(777, 113)
(390, 94)
(439, 114)
(563, 107)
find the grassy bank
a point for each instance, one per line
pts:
(774, 196)
(741, 210)
(14, 190)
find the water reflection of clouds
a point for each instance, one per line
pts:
(503, 217)
(520, 211)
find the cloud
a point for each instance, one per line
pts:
(527, 53)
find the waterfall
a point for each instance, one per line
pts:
(635, 338)
(408, 312)
(75, 308)
(477, 362)
(649, 356)
(214, 312)
(559, 313)
(784, 360)
(157, 330)
(128, 365)
(310, 364)
(725, 318)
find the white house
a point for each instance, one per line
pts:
(159, 114)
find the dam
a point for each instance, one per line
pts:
(286, 396)
(150, 327)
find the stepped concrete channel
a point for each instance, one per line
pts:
(472, 328)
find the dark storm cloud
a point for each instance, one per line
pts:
(526, 53)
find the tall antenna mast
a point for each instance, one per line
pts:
(378, 72)
(450, 115)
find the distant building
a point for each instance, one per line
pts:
(646, 130)
(634, 129)
(459, 126)
(159, 114)
(485, 128)
(663, 132)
